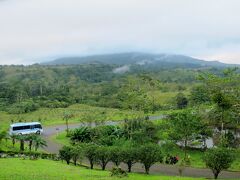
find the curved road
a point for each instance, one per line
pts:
(171, 170)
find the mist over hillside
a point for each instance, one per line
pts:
(141, 59)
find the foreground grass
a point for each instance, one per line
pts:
(18, 169)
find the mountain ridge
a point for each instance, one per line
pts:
(138, 58)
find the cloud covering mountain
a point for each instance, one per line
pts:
(38, 30)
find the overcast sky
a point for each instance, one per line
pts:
(38, 30)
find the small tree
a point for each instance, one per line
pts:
(65, 153)
(76, 153)
(129, 156)
(89, 152)
(66, 117)
(103, 156)
(81, 134)
(149, 154)
(38, 142)
(184, 126)
(22, 139)
(31, 138)
(218, 159)
(116, 155)
(13, 137)
(181, 101)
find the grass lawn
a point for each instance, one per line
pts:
(51, 116)
(19, 169)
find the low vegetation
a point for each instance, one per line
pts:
(55, 170)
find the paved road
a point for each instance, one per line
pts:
(53, 147)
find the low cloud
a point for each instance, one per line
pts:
(122, 69)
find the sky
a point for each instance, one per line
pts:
(33, 31)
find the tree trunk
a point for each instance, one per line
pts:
(91, 164)
(146, 169)
(129, 164)
(21, 145)
(30, 145)
(104, 165)
(75, 162)
(13, 141)
(67, 125)
(185, 148)
(216, 173)
(36, 147)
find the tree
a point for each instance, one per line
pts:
(184, 126)
(22, 139)
(129, 156)
(66, 117)
(89, 152)
(224, 92)
(199, 95)
(140, 130)
(13, 137)
(65, 154)
(218, 159)
(82, 134)
(31, 138)
(116, 155)
(181, 101)
(103, 156)
(76, 153)
(39, 142)
(148, 155)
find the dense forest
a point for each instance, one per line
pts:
(26, 88)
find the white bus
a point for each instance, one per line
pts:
(25, 128)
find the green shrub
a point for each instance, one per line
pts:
(118, 172)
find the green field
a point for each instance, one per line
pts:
(19, 169)
(51, 116)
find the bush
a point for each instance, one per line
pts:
(118, 172)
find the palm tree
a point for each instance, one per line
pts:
(66, 117)
(39, 142)
(13, 137)
(31, 138)
(22, 139)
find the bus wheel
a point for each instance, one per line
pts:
(38, 132)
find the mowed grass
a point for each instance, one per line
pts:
(19, 169)
(80, 112)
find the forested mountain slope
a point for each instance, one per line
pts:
(161, 60)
